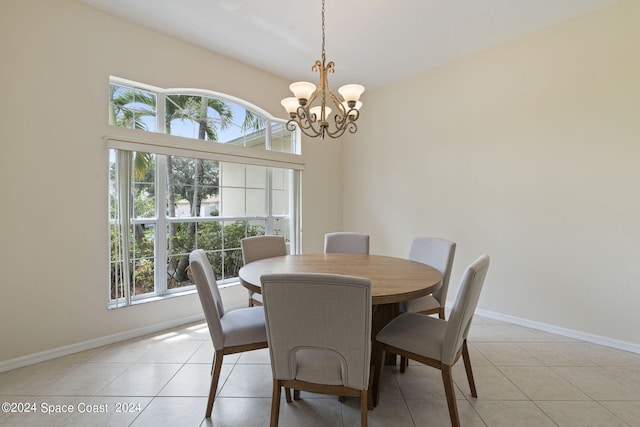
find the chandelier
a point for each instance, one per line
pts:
(310, 108)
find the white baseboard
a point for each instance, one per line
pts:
(30, 359)
(565, 332)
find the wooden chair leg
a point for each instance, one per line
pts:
(287, 394)
(467, 368)
(215, 376)
(364, 408)
(404, 362)
(296, 394)
(447, 380)
(275, 403)
(377, 376)
(441, 313)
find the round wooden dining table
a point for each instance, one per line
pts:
(393, 280)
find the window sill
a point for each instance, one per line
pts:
(114, 305)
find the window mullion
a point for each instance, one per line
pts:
(161, 226)
(161, 261)
(295, 221)
(267, 141)
(160, 113)
(269, 201)
(124, 218)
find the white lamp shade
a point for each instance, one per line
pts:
(317, 110)
(351, 92)
(290, 104)
(302, 90)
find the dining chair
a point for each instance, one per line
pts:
(260, 247)
(232, 332)
(438, 253)
(436, 342)
(319, 334)
(346, 242)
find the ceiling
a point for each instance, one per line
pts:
(373, 42)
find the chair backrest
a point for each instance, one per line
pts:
(209, 295)
(319, 327)
(259, 247)
(463, 308)
(346, 243)
(437, 253)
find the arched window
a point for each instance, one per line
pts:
(192, 169)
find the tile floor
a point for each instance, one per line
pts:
(524, 377)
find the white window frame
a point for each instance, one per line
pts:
(161, 144)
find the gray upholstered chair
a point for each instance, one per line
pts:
(259, 247)
(346, 243)
(437, 253)
(232, 332)
(436, 342)
(319, 333)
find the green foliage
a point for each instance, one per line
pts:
(144, 204)
(143, 276)
(184, 170)
(222, 244)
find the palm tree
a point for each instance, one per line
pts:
(127, 108)
(253, 121)
(209, 114)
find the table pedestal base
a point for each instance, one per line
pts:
(382, 314)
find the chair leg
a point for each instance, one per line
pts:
(275, 403)
(441, 313)
(404, 362)
(364, 408)
(377, 376)
(287, 394)
(215, 376)
(447, 380)
(467, 367)
(296, 394)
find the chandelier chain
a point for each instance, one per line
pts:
(323, 52)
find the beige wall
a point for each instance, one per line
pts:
(529, 152)
(57, 56)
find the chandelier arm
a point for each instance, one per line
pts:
(313, 133)
(291, 125)
(308, 123)
(305, 119)
(307, 129)
(350, 126)
(340, 110)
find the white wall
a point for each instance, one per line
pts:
(529, 152)
(57, 56)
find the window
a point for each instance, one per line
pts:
(170, 194)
